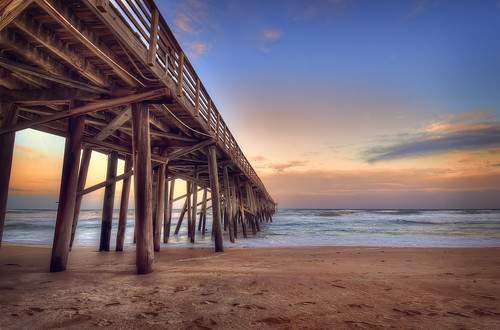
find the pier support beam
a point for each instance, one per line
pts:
(122, 218)
(67, 194)
(160, 201)
(82, 179)
(228, 204)
(107, 206)
(168, 211)
(142, 188)
(214, 189)
(9, 113)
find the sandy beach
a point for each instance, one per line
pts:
(285, 288)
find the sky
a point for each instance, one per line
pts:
(336, 103)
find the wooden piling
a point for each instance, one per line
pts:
(9, 112)
(82, 179)
(194, 212)
(160, 201)
(188, 208)
(122, 218)
(227, 204)
(142, 188)
(242, 209)
(234, 207)
(67, 194)
(168, 214)
(107, 206)
(214, 189)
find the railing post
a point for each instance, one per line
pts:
(197, 99)
(153, 37)
(180, 72)
(209, 111)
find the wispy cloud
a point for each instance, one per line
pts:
(462, 131)
(197, 49)
(262, 164)
(317, 8)
(270, 36)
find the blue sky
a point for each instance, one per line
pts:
(346, 103)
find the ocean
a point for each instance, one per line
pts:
(292, 227)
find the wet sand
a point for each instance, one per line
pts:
(258, 288)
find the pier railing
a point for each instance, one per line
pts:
(145, 21)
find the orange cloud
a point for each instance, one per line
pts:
(197, 49)
(272, 35)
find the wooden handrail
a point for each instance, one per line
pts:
(164, 50)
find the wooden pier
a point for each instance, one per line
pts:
(109, 76)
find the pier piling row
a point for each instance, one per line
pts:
(109, 76)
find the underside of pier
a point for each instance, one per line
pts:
(110, 77)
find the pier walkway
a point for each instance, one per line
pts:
(110, 76)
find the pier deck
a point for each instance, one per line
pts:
(110, 76)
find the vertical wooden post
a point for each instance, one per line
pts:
(242, 209)
(9, 112)
(142, 187)
(82, 178)
(203, 208)
(188, 207)
(214, 188)
(160, 201)
(180, 74)
(195, 209)
(107, 206)
(122, 219)
(227, 203)
(234, 207)
(67, 194)
(168, 214)
(251, 207)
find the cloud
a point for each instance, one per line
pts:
(258, 158)
(460, 131)
(272, 35)
(183, 23)
(320, 8)
(197, 49)
(276, 167)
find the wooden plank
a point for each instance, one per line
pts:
(106, 183)
(62, 78)
(197, 99)
(142, 187)
(185, 151)
(91, 107)
(82, 179)
(180, 77)
(67, 195)
(214, 188)
(194, 212)
(122, 218)
(44, 97)
(153, 38)
(107, 207)
(116, 123)
(10, 9)
(50, 40)
(75, 26)
(160, 202)
(9, 113)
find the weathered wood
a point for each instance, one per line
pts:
(107, 206)
(181, 217)
(214, 189)
(106, 183)
(168, 211)
(43, 97)
(153, 39)
(180, 74)
(50, 40)
(242, 209)
(116, 123)
(67, 195)
(234, 207)
(250, 203)
(9, 112)
(77, 27)
(122, 218)
(91, 107)
(194, 212)
(227, 203)
(160, 202)
(10, 9)
(203, 209)
(142, 187)
(188, 208)
(188, 150)
(82, 179)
